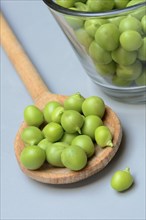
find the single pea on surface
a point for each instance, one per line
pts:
(122, 180)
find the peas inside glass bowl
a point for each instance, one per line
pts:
(109, 38)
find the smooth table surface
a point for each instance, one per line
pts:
(23, 198)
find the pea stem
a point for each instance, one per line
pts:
(110, 143)
(127, 170)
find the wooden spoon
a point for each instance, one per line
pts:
(41, 95)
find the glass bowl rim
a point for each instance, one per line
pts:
(51, 4)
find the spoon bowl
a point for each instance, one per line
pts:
(41, 95)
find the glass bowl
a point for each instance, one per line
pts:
(111, 46)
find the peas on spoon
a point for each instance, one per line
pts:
(41, 96)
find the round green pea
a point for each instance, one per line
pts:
(53, 131)
(53, 154)
(33, 116)
(67, 137)
(93, 105)
(49, 108)
(74, 158)
(74, 102)
(44, 144)
(57, 114)
(32, 157)
(72, 121)
(103, 136)
(31, 135)
(91, 122)
(122, 180)
(86, 143)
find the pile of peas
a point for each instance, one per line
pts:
(117, 45)
(64, 135)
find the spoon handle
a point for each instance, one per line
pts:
(25, 69)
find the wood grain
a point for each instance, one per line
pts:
(41, 95)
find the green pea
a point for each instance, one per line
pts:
(74, 102)
(91, 25)
(124, 57)
(86, 143)
(131, 40)
(31, 135)
(33, 116)
(32, 157)
(81, 6)
(116, 20)
(99, 54)
(130, 72)
(121, 4)
(93, 105)
(44, 144)
(130, 23)
(54, 152)
(141, 80)
(65, 4)
(103, 136)
(53, 131)
(118, 81)
(106, 70)
(107, 36)
(83, 37)
(74, 158)
(98, 5)
(49, 108)
(142, 50)
(72, 121)
(91, 122)
(57, 114)
(73, 21)
(122, 180)
(67, 138)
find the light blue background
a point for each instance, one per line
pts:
(23, 198)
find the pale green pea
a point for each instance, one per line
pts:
(74, 158)
(130, 72)
(33, 116)
(53, 131)
(49, 108)
(32, 157)
(31, 135)
(122, 180)
(103, 136)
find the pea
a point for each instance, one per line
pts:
(141, 80)
(49, 108)
(74, 102)
(83, 37)
(33, 116)
(106, 70)
(107, 36)
(121, 4)
(91, 25)
(118, 81)
(32, 157)
(130, 23)
(122, 180)
(99, 54)
(31, 135)
(130, 72)
(124, 57)
(57, 114)
(53, 131)
(86, 143)
(54, 152)
(67, 138)
(93, 105)
(81, 6)
(103, 136)
(98, 5)
(44, 144)
(131, 40)
(65, 4)
(142, 50)
(72, 121)
(74, 158)
(91, 122)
